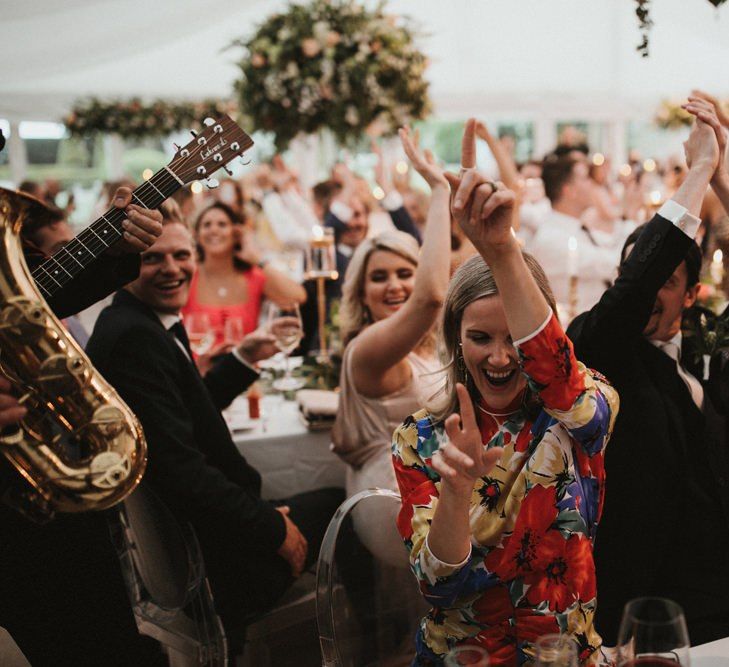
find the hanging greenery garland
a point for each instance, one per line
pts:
(136, 119)
(645, 22)
(332, 64)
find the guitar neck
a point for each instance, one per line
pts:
(92, 242)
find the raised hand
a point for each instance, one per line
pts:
(422, 160)
(464, 459)
(721, 115)
(706, 112)
(702, 148)
(483, 209)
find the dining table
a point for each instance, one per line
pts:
(713, 654)
(290, 456)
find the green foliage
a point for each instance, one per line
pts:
(332, 64)
(136, 119)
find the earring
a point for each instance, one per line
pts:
(461, 365)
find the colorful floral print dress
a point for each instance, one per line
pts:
(533, 520)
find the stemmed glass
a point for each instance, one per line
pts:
(556, 650)
(199, 332)
(233, 330)
(474, 656)
(284, 322)
(653, 633)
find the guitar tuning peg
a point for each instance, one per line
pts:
(193, 133)
(245, 163)
(177, 148)
(209, 121)
(212, 183)
(227, 171)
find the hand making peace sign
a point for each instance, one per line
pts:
(464, 459)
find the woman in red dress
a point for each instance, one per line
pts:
(232, 280)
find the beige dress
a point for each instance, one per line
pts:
(362, 436)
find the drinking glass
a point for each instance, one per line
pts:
(556, 651)
(199, 332)
(474, 656)
(233, 330)
(284, 322)
(653, 633)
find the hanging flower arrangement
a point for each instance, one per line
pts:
(136, 119)
(670, 115)
(332, 64)
(645, 22)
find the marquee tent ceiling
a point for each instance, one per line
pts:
(563, 58)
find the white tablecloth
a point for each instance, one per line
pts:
(290, 458)
(714, 654)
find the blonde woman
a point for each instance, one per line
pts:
(392, 296)
(502, 481)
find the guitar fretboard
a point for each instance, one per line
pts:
(77, 254)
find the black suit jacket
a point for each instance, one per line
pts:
(193, 464)
(666, 515)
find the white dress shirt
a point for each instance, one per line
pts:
(596, 265)
(673, 349)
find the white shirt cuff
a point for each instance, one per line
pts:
(393, 200)
(440, 565)
(536, 332)
(679, 216)
(242, 359)
(341, 210)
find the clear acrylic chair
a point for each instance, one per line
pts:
(368, 608)
(165, 578)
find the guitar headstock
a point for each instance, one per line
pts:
(220, 142)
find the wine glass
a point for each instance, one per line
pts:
(284, 322)
(556, 650)
(199, 332)
(474, 656)
(653, 633)
(233, 330)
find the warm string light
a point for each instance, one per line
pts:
(378, 193)
(626, 170)
(401, 167)
(147, 174)
(196, 187)
(649, 165)
(598, 159)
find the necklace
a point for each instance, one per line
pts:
(495, 414)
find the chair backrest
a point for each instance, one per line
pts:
(368, 607)
(165, 577)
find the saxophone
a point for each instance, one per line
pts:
(79, 447)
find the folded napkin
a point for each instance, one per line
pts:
(318, 403)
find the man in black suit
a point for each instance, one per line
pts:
(253, 548)
(665, 527)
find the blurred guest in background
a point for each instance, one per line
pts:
(569, 188)
(232, 278)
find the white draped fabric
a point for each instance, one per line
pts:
(562, 58)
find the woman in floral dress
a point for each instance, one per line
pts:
(502, 482)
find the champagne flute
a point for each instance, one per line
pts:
(199, 332)
(556, 650)
(233, 330)
(474, 656)
(653, 633)
(284, 322)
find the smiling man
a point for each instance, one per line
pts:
(665, 526)
(253, 549)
